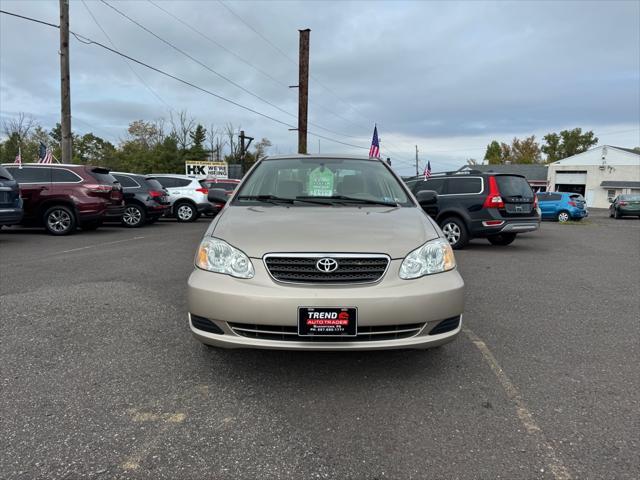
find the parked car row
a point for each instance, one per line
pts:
(63, 197)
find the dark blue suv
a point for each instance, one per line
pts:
(10, 202)
(562, 206)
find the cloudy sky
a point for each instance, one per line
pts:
(446, 76)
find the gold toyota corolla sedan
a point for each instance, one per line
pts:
(324, 253)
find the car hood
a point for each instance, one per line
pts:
(259, 230)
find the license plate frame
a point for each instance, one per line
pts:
(321, 321)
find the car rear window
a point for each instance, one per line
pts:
(512, 186)
(4, 174)
(228, 186)
(126, 181)
(103, 176)
(549, 197)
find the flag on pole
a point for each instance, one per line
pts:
(374, 151)
(44, 154)
(427, 171)
(19, 158)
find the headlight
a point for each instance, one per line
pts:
(218, 256)
(433, 257)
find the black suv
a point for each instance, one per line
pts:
(10, 202)
(145, 199)
(472, 204)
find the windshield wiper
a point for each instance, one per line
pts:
(267, 198)
(345, 199)
(277, 200)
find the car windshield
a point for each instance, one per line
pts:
(322, 181)
(630, 198)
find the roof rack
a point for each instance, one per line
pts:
(441, 174)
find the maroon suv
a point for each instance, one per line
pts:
(63, 197)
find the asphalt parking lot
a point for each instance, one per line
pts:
(100, 377)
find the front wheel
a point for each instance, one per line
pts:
(59, 220)
(455, 232)
(186, 212)
(563, 217)
(502, 239)
(134, 216)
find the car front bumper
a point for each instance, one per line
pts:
(10, 216)
(264, 302)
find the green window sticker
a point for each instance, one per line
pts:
(321, 182)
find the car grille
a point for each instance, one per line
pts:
(351, 269)
(286, 333)
(4, 198)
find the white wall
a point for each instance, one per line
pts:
(617, 165)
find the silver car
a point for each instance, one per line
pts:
(324, 253)
(187, 197)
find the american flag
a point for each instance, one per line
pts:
(374, 151)
(44, 154)
(427, 170)
(19, 158)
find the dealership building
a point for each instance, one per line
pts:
(598, 174)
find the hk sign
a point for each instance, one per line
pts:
(202, 170)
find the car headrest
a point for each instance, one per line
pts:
(351, 184)
(289, 188)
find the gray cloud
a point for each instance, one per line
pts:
(446, 76)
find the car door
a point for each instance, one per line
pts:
(35, 189)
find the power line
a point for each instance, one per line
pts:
(89, 41)
(148, 87)
(202, 64)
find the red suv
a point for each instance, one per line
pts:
(63, 197)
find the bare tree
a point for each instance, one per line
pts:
(20, 125)
(181, 126)
(234, 147)
(216, 142)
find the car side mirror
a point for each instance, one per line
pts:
(217, 195)
(427, 198)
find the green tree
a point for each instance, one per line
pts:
(567, 143)
(198, 138)
(525, 151)
(493, 155)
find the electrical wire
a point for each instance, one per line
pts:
(88, 41)
(148, 87)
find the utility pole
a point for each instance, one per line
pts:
(417, 173)
(65, 87)
(244, 149)
(303, 90)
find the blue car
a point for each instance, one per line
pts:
(562, 206)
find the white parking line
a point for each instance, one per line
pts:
(558, 470)
(99, 245)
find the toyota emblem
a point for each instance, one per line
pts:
(327, 265)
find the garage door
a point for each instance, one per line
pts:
(574, 178)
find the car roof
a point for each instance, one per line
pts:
(296, 156)
(176, 175)
(34, 164)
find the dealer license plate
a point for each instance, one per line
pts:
(327, 321)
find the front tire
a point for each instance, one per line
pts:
(60, 220)
(563, 216)
(502, 239)
(134, 216)
(186, 212)
(455, 232)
